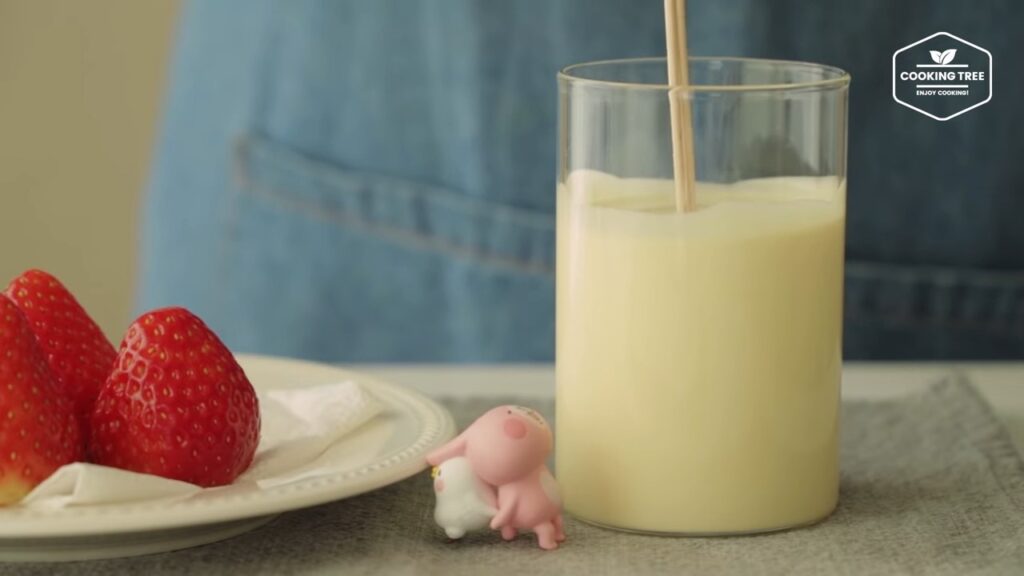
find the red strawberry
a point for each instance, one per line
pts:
(80, 356)
(176, 405)
(38, 429)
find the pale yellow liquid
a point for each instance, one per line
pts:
(698, 355)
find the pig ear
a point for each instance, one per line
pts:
(455, 447)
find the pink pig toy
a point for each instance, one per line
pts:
(506, 448)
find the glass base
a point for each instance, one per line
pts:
(669, 534)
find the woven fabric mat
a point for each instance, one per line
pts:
(931, 484)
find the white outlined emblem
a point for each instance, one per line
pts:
(942, 76)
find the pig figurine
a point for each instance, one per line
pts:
(507, 448)
(464, 503)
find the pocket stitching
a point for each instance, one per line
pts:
(875, 279)
(396, 234)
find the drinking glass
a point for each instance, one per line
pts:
(699, 353)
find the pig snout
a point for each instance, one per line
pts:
(514, 428)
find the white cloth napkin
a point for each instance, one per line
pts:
(298, 426)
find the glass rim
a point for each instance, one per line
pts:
(840, 78)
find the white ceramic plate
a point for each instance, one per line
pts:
(391, 448)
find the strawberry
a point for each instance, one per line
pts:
(38, 428)
(177, 404)
(80, 356)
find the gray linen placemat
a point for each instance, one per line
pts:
(931, 484)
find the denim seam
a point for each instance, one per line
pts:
(438, 194)
(917, 288)
(873, 319)
(398, 235)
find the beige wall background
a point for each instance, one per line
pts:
(80, 91)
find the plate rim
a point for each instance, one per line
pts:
(436, 427)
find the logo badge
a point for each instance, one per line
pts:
(942, 76)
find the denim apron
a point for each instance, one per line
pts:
(373, 180)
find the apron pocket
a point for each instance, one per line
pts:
(920, 312)
(351, 265)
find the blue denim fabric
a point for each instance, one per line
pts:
(373, 180)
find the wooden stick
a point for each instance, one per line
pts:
(683, 163)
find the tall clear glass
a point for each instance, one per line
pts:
(699, 354)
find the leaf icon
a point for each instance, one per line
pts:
(936, 56)
(948, 55)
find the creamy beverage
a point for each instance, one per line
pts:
(698, 354)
